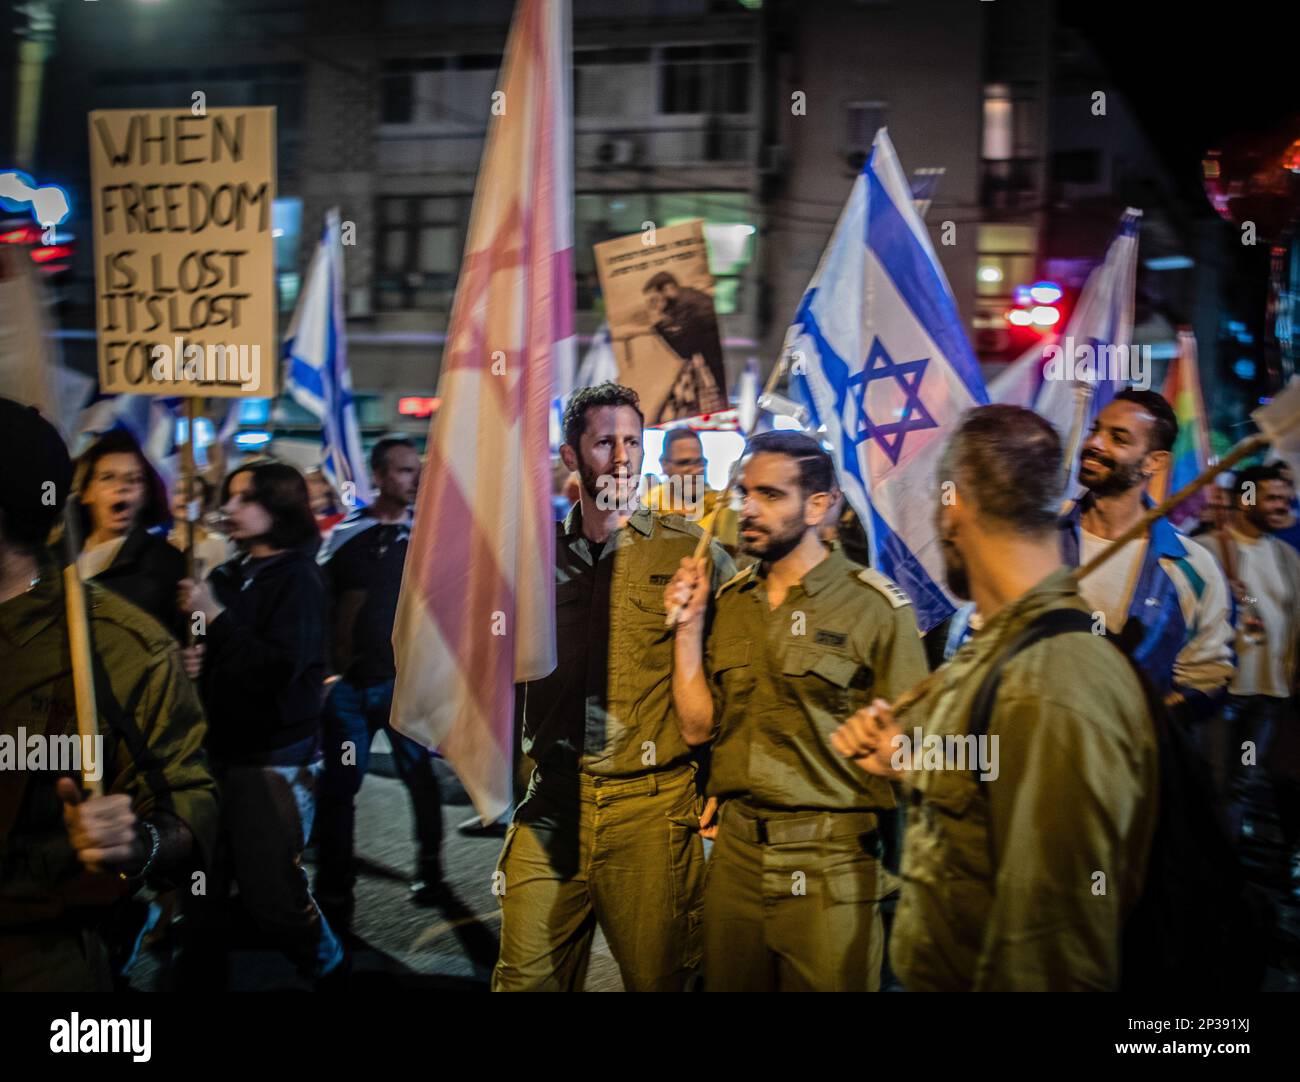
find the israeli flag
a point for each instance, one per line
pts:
(316, 360)
(1071, 379)
(878, 352)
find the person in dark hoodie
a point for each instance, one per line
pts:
(261, 669)
(122, 499)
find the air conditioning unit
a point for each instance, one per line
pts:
(620, 151)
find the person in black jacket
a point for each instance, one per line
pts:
(122, 499)
(261, 669)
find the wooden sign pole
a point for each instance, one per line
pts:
(83, 668)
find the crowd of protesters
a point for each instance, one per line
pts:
(258, 616)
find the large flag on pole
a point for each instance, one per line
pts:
(1101, 326)
(316, 362)
(476, 612)
(878, 351)
(1191, 453)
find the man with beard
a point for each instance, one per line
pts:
(798, 643)
(1018, 877)
(1164, 595)
(609, 831)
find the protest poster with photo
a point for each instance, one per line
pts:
(184, 263)
(659, 304)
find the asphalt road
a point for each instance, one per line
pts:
(394, 943)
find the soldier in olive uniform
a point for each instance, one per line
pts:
(1018, 877)
(63, 860)
(609, 831)
(798, 643)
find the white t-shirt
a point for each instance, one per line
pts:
(1261, 666)
(1109, 589)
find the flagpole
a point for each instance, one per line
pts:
(187, 487)
(79, 643)
(1082, 398)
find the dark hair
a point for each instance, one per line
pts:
(28, 507)
(816, 470)
(676, 435)
(1009, 458)
(1164, 431)
(379, 452)
(1257, 475)
(207, 491)
(282, 491)
(586, 398)
(118, 441)
(658, 281)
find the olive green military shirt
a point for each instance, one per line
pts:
(784, 679)
(607, 709)
(154, 753)
(1022, 881)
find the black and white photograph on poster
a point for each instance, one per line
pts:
(659, 299)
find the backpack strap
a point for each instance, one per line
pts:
(1045, 626)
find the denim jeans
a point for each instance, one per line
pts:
(352, 717)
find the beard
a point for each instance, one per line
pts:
(603, 488)
(1119, 478)
(773, 545)
(955, 572)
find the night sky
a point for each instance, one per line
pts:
(1195, 73)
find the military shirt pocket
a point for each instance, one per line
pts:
(951, 791)
(730, 669)
(646, 616)
(824, 678)
(648, 599)
(946, 801)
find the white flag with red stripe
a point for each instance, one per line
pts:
(477, 608)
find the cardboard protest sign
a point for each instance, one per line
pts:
(184, 271)
(659, 303)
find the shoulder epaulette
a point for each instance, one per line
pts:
(675, 520)
(893, 594)
(735, 579)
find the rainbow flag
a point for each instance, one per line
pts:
(1191, 453)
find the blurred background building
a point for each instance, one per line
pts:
(754, 115)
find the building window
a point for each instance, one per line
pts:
(613, 83)
(999, 132)
(728, 226)
(862, 119)
(420, 244)
(705, 79)
(432, 89)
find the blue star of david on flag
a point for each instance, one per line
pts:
(879, 308)
(912, 417)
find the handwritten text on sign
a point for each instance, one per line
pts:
(183, 251)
